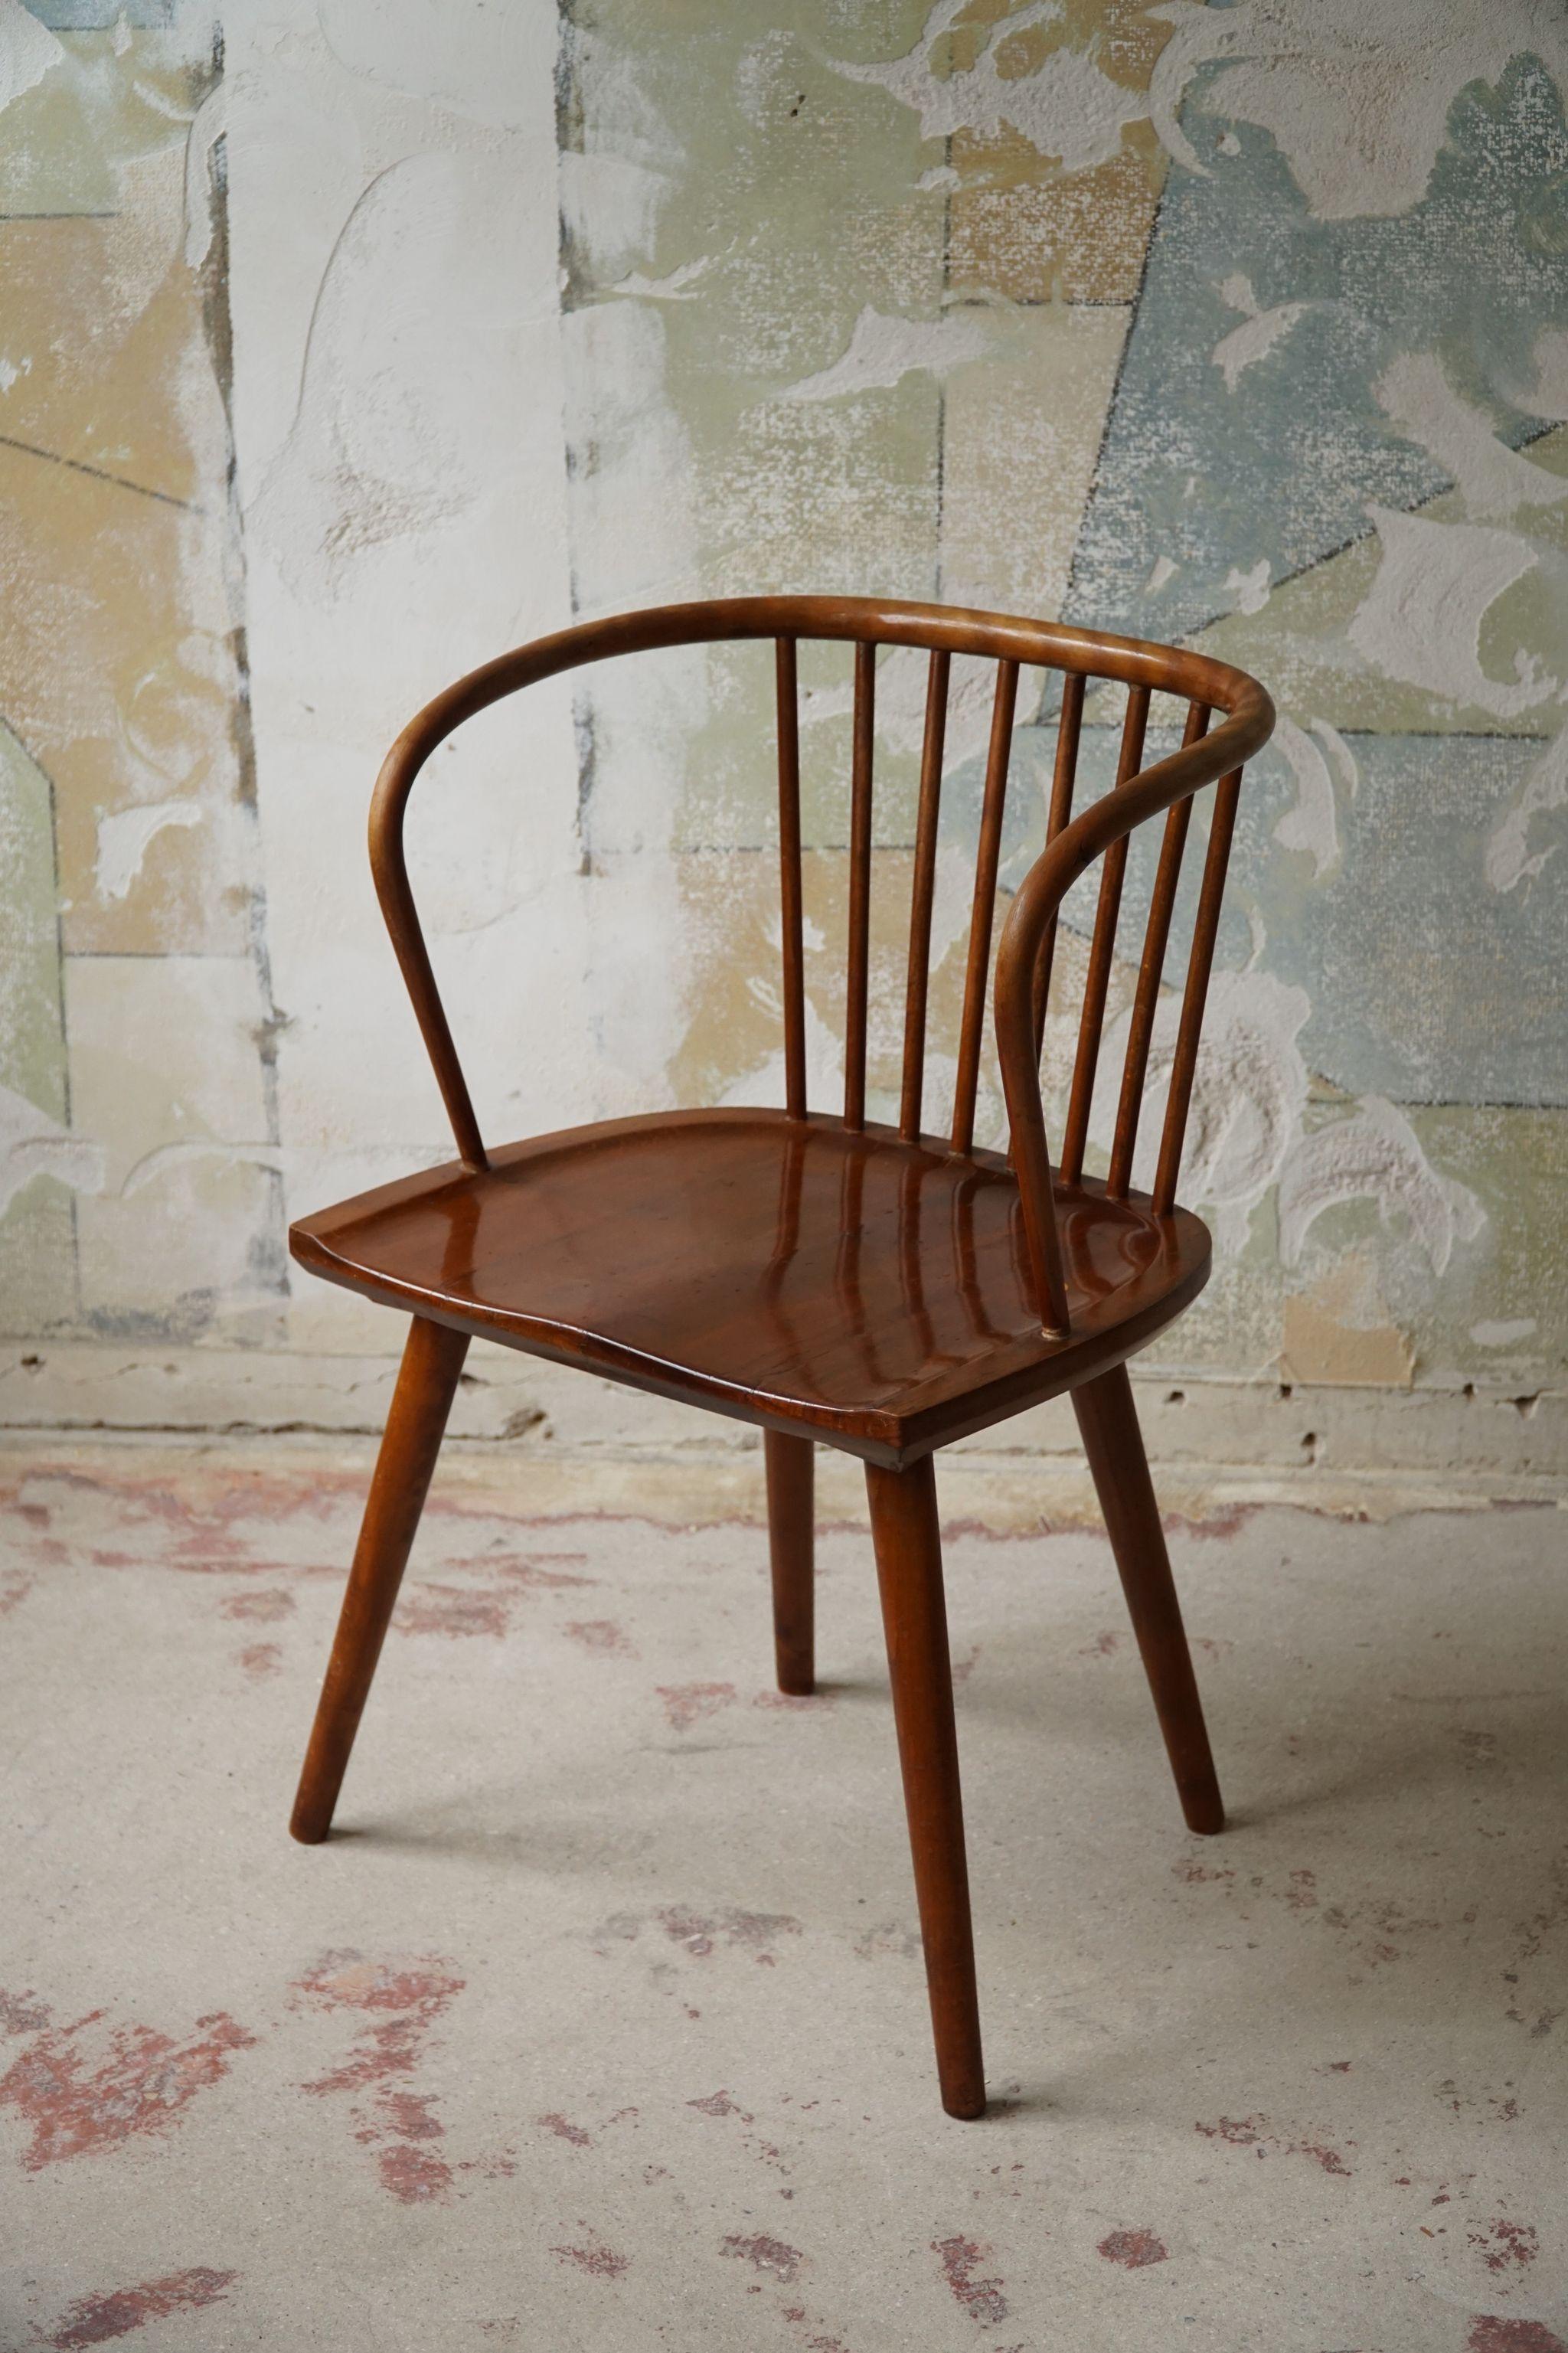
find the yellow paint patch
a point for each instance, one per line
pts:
(1336, 1334)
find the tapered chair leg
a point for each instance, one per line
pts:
(426, 1383)
(914, 1615)
(791, 1535)
(1108, 1420)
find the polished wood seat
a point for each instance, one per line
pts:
(827, 1279)
(872, 1291)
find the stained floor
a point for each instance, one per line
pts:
(602, 2024)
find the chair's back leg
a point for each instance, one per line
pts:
(791, 1544)
(1108, 1420)
(914, 1615)
(426, 1383)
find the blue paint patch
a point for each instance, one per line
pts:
(1280, 467)
(1426, 985)
(99, 15)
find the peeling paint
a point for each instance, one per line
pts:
(1313, 825)
(1250, 589)
(882, 351)
(1253, 340)
(1422, 620)
(1375, 1154)
(28, 51)
(1360, 122)
(1248, 1093)
(1509, 859)
(33, 1144)
(125, 836)
(1066, 107)
(1492, 479)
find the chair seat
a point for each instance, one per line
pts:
(871, 1292)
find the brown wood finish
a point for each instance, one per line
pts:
(857, 979)
(790, 918)
(908, 1539)
(426, 1383)
(1069, 728)
(1108, 1421)
(1206, 930)
(762, 1267)
(1156, 938)
(1101, 951)
(790, 1472)
(921, 896)
(834, 1279)
(984, 911)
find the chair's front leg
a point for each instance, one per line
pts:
(791, 1545)
(914, 1615)
(1108, 1421)
(426, 1383)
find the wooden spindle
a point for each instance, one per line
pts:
(923, 893)
(1102, 949)
(987, 857)
(1069, 729)
(789, 880)
(1206, 930)
(1156, 938)
(859, 962)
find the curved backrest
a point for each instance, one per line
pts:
(1028, 942)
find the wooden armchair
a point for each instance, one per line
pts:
(832, 1280)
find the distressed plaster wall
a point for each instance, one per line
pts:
(342, 344)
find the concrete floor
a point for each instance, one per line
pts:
(602, 2023)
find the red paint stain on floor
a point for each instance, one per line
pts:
(765, 2254)
(206, 1532)
(14, 1590)
(260, 1660)
(262, 1609)
(97, 2319)
(1491, 2334)
(79, 2108)
(597, 2260)
(1219, 1527)
(601, 1635)
(408, 2114)
(564, 2130)
(888, 1938)
(454, 1610)
(22, 2013)
(412, 1993)
(686, 1703)
(754, 1932)
(1251, 2132)
(719, 2104)
(416, 2177)
(1133, 2250)
(528, 1570)
(1504, 2243)
(982, 2298)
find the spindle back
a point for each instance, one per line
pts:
(1025, 957)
